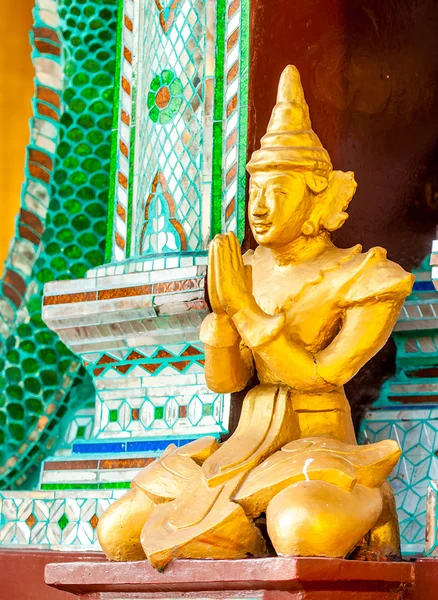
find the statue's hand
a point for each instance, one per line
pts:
(230, 281)
(212, 276)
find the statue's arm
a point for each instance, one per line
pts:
(364, 331)
(229, 364)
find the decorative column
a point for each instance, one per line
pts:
(178, 177)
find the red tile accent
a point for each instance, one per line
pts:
(232, 73)
(120, 241)
(229, 210)
(67, 465)
(134, 355)
(105, 359)
(48, 95)
(28, 234)
(122, 368)
(231, 106)
(232, 40)
(41, 158)
(126, 85)
(69, 298)
(231, 174)
(127, 54)
(31, 520)
(232, 139)
(47, 47)
(121, 211)
(180, 365)
(135, 414)
(182, 412)
(123, 180)
(38, 172)
(46, 111)
(125, 463)
(233, 7)
(124, 149)
(190, 351)
(10, 293)
(150, 367)
(126, 118)
(30, 219)
(162, 354)
(15, 280)
(94, 521)
(128, 23)
(166, 287)
(141, 290)
(46, 33)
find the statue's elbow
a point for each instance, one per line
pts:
(224, 385)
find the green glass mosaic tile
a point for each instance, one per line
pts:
(159, 412)
(123, 485)
(63, 522)
(69, 486)
(113, 416)
(207, 410)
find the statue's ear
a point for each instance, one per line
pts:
(315, 182)
(337, 197)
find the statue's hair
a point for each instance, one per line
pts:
(333, 194)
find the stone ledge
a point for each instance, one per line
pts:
(267, 578)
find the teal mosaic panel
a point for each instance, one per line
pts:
(155, 392)
(53, 520)
(179, 163)
(431, 520)
(36, 369)
(416, 431)
(174, 101)
(407, 412)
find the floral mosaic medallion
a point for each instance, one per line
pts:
(165, 97)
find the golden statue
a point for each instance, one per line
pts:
(306, 316)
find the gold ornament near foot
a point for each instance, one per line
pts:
(305, 316)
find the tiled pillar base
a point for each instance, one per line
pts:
(267, 579)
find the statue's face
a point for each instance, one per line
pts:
(279, 205)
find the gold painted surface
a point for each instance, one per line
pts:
(16, 90)
(306, 316)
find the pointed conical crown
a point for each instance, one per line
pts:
(290, 142)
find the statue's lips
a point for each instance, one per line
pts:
(261, 226)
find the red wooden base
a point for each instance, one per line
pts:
(22, 573)
(267, 579)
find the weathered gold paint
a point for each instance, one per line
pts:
(306, 316)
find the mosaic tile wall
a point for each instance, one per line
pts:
(142, 348)
(61, 226)
(432, 520)
(182, 118)
(52, 520)
(407, 409)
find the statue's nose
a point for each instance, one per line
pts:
(259, 209)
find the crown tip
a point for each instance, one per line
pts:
(290, 88)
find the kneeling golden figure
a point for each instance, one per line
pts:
(306, 316)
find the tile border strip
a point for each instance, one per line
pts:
(39, 162)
